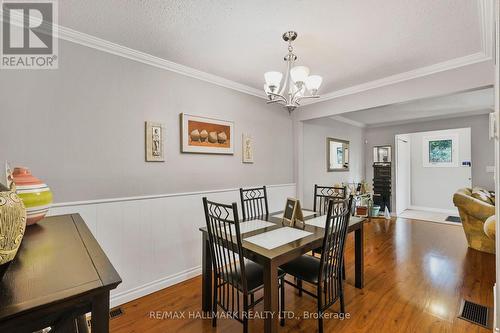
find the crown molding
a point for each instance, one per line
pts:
(405, 76)
(148, 59)
(482, 111)
(348, 121)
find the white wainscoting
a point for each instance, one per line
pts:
(154, 241)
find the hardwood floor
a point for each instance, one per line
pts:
(416, 273)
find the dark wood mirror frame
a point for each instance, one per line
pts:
(345, 154)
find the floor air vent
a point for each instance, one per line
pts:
(475, 313)
(455, 219)
(116, 312)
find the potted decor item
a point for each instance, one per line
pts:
(35, 194)
(12, 225)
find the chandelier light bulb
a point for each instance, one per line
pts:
(266, 89)
(313, 82)
(299, 73)
(273, 80)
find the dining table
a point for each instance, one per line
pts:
(257, 247)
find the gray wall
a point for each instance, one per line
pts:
(482, 147)
(81, 128)
(314, 154)
(443, 181)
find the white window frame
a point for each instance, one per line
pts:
(454, 151)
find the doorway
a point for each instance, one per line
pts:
(403, 173)
(430, 167)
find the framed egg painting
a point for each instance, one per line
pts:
(206, 135)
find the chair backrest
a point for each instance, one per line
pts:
(227, 253)
(323, 194)
(332, 255)
(254, 202)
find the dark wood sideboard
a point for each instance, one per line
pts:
(59, 274)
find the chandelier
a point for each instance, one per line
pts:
(298, 84)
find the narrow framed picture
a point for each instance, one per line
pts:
(247, 149)
(154, 142)
(206, 135)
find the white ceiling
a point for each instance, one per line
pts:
(456, 105)
(347, 42)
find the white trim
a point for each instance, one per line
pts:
(148, 59)
(497, 159)
(397, 139)
(406, 76)
(155, 196)
(429, 221)
(153, 286)
(348, 121)
(487, 26)
(436, 210)
(431, 118)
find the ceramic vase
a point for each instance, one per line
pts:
(35, 194)
(12, 226)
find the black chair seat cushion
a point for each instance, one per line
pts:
(254, 274)
(305, 268)
(319, 250)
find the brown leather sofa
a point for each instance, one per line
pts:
(475, 206)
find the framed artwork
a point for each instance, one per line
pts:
(154, 142)
(440, 151)
(247, 149)
(206, 135)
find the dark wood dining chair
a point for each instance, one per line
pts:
(322, 195)
(254, 202)
(235, 279)
(325, 272)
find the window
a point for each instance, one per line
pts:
(440, 151)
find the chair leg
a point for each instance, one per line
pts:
(214, 308)
(245, 310)
(320, 314)
(282, 301)
(320, 321)
(299, 284)
(341, 296)
(245, 325)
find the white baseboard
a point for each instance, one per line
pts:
(151, 287)
(453, 212)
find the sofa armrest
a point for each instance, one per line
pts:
(472, 206)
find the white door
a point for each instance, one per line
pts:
(403, 170)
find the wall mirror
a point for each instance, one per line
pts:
(337, 155)
(382, 154)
